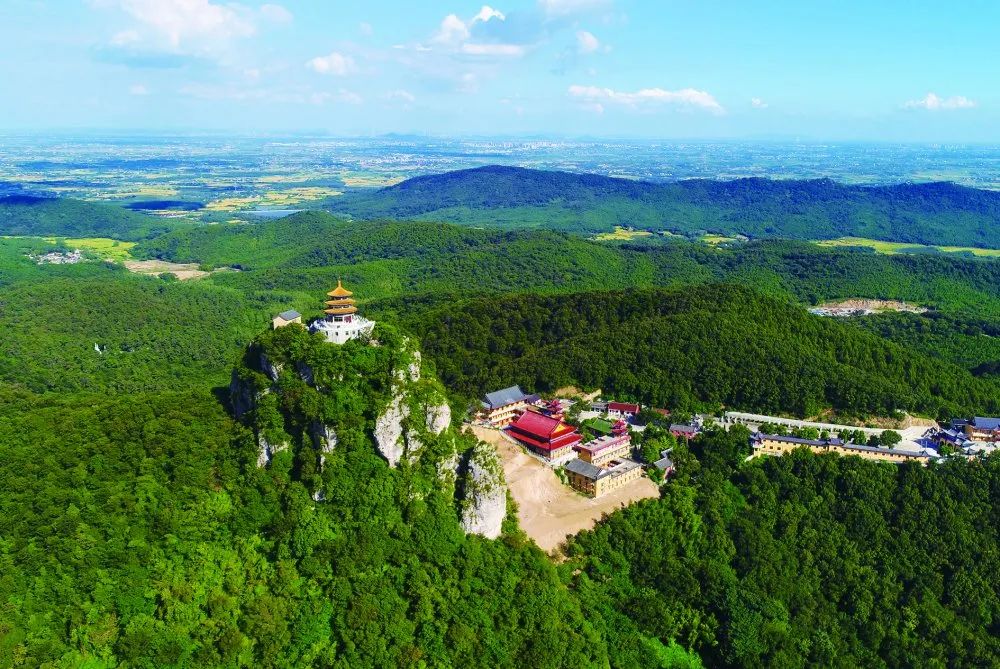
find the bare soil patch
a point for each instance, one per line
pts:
(183, 271)
(548, 511)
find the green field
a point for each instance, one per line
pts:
(104, 247)
(892, 248)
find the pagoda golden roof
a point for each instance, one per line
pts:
(339, 291)
(339, 311)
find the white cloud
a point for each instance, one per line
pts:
(568, 7)
(400, 94)
(685, 97)
(757, 103)
(138, 89)
(336, 64)
(201, 27)
(276, 14)
(933, 102)
(454, 30)
(586, 42)
(511, 50)
(181, 20)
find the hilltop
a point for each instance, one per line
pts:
(29, 215)
(925, 213)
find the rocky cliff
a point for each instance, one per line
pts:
(306, 401)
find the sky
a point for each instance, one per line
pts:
(890, 70)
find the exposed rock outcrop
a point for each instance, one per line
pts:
(484, 493)
(324, 439)
(272, 370)
(438, 418)
(389, 430)
(375, 398)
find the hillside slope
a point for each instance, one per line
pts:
(38, 216)
(932, 213)
(705, 345)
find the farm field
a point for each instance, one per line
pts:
(892, 248)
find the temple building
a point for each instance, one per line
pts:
(773, 444)
(615, 446)
(500, 408)
(983, 429)
(342, 321)
(596, 481)
(548, 437)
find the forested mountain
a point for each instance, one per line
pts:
(705, 346)
(136, 528)
(932, 213)
(807, 561)
(62, 217)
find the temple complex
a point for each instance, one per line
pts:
(342, 321)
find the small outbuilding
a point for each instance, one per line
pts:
(286, 318)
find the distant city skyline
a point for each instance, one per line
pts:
(821, 71)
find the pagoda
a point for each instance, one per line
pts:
(342, 321)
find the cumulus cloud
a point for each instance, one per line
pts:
(454, 30)
(586, 42)
(757, 103)
(336, 64)
(569, 7)
(595, 98)
(191, 27)
(933, 102)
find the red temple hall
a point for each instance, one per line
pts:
(547, 436)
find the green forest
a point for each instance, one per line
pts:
(137, 530)
(930, 213)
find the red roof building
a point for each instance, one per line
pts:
(547, 436)
(623, 409)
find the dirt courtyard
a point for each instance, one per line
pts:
(548, 510)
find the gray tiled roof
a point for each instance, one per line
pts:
(594, 472)
(582, 468)
(290, 315)
(664, 463)
(986, 423)
(506, 396)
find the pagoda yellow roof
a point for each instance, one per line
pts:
(339, 291)
(346, 309)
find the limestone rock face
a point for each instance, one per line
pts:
(484, 502)
(438, 418)
(266, 450)
(324, 438)
(389, 430)
(272, 370)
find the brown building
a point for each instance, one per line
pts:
(596, 481)
(772, 444)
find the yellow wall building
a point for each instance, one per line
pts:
(771, 444)
(596, 481)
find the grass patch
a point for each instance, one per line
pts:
(621, 234)
(892, 248)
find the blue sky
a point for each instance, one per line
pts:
(886, 70)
